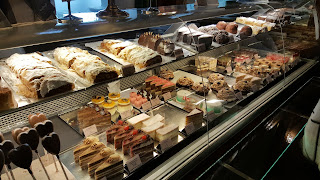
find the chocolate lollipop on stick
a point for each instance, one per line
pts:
(22, 157)
(17, 131)
(31, 138)
(44, 128)
(36, 118)
(6, 146)
(51, 143)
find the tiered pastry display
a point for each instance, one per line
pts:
(99, 160)
(138, 55)
(6, 96)
(38, 76)
(162, 46)
(86, 65)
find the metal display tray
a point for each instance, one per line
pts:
(171, 114)
(165, 59)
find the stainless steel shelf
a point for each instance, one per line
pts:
(46, 32)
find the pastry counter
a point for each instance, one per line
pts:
(135, 107)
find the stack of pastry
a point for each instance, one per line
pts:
(93, 114)
(138, 55)
(86, 65)
(39, 78)
(101, 161)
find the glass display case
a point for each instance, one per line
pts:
(155, 91)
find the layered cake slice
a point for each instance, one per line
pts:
(151, 130)
(121, 136)
(168, 131)
(97, 160)
(128, 141)
(144, 147)
(82, 147)
(153, 120)
(114, 130)
(110, 168)
(136, 121)
(195, 116)
(88, 154)
(88, 116)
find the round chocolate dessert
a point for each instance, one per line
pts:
(245, 32)
(221, 25)
(222, 37)
(232, 28)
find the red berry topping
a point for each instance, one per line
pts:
(144, 137)
(126, 128)
(134, 132)
(120, 122)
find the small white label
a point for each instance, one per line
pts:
(166, 96)
(125, 114)
(239, 95)
(268, 78)
(229, 69)
(155, 102)
(255, 88)
(146, 106)
(189, 128)
(166, 144)
(134, 163)
(90, 130)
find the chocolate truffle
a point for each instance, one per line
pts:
(232, 28)
(222, 37)
(221, 25)
(245, 32)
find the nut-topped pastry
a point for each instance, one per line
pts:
(89, 153)
(226, 94)
(166, 74)
(97, 160)
(86, 143)
(201, 88)
(218, 84)
(215, 76)
(243, 86)
(185, 82)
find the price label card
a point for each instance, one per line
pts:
(155, 102)
(189, 128)
(229, 69)
(239, 95)
(125, 114)
(90, 130)
(268, 78)
(166, 144)
(166, 96)
(255, 88)
(146, 106)
(134, 163)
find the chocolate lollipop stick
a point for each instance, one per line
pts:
(31, 173)
(64, 172)
(55, 164)
(7, 173)
(42, 164)
(11, 173)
